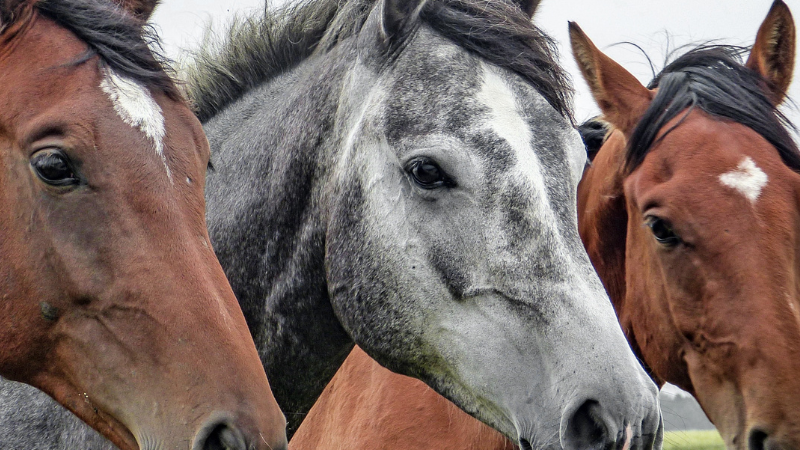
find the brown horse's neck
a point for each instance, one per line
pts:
(602, 217)
(603, 222)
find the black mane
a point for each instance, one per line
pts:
(121, 41)
(593, 133)
(258, 50)
(714, 80)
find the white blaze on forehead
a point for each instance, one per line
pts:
(134, 104)
(747, 178)
(505, 119)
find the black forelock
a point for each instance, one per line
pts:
(123, 43)
(502, 34)
(713, 80)
(260, 49)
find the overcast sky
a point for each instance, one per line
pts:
(649, 23)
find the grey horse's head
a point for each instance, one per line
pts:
(452, 246)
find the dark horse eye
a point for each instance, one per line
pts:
(662, 231)
(427, 174)
(54, 167)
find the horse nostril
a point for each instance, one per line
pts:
(757, 439)
(224, 438)
(525, 445)
(220, 436)
(586, 429)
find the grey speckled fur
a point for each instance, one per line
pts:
(32, 420)
(482, 288)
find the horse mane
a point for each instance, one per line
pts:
(594, 133)
(122, 42)
(260, 49)
(712, 79)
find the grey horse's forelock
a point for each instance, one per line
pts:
(258, 49)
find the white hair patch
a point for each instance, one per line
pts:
(137, 107)
(747, 178)
(505, 118)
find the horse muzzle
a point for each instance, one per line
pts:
(222, 433)
(598, 426)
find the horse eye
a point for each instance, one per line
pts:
(54, 167)
(662, 231)
(427, 174)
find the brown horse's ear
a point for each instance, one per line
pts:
(396, 15)
(529, 6)
(8, 9)
(773, 53)
(620, 96)
(141, 9)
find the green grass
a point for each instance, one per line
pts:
(693, 440)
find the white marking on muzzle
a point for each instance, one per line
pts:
(747, 178)
(137, 107)
(628, 436)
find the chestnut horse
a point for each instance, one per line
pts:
(710, 305)
(112, 299)
(693, 202)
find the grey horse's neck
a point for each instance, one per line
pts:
(267, 225)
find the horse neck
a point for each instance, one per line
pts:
(268, 225)
(602, 217)
(602, 223)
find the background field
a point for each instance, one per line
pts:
(693, 440)
(686, 426)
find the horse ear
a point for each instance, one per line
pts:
(141, 9)
(529, 6)
(620, 96)
(396, 15)
(8, 8)
(773, 53)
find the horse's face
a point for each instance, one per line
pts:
(707, 290)
(113, 301)
(453, 251)
(713, 253)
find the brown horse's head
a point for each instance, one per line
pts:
(112, 300)
(690, 212)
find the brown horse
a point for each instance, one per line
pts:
(693, 202)
(695, 238)
(366, 406)
(113, 301)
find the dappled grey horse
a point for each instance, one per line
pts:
(402, 174)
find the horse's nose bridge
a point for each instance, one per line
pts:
(205, 345)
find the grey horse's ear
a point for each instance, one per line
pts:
(529, 6)
(397, 16)
(141, 9)
(772, 55)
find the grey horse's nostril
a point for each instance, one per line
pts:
(220, 436)
(586, 429)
